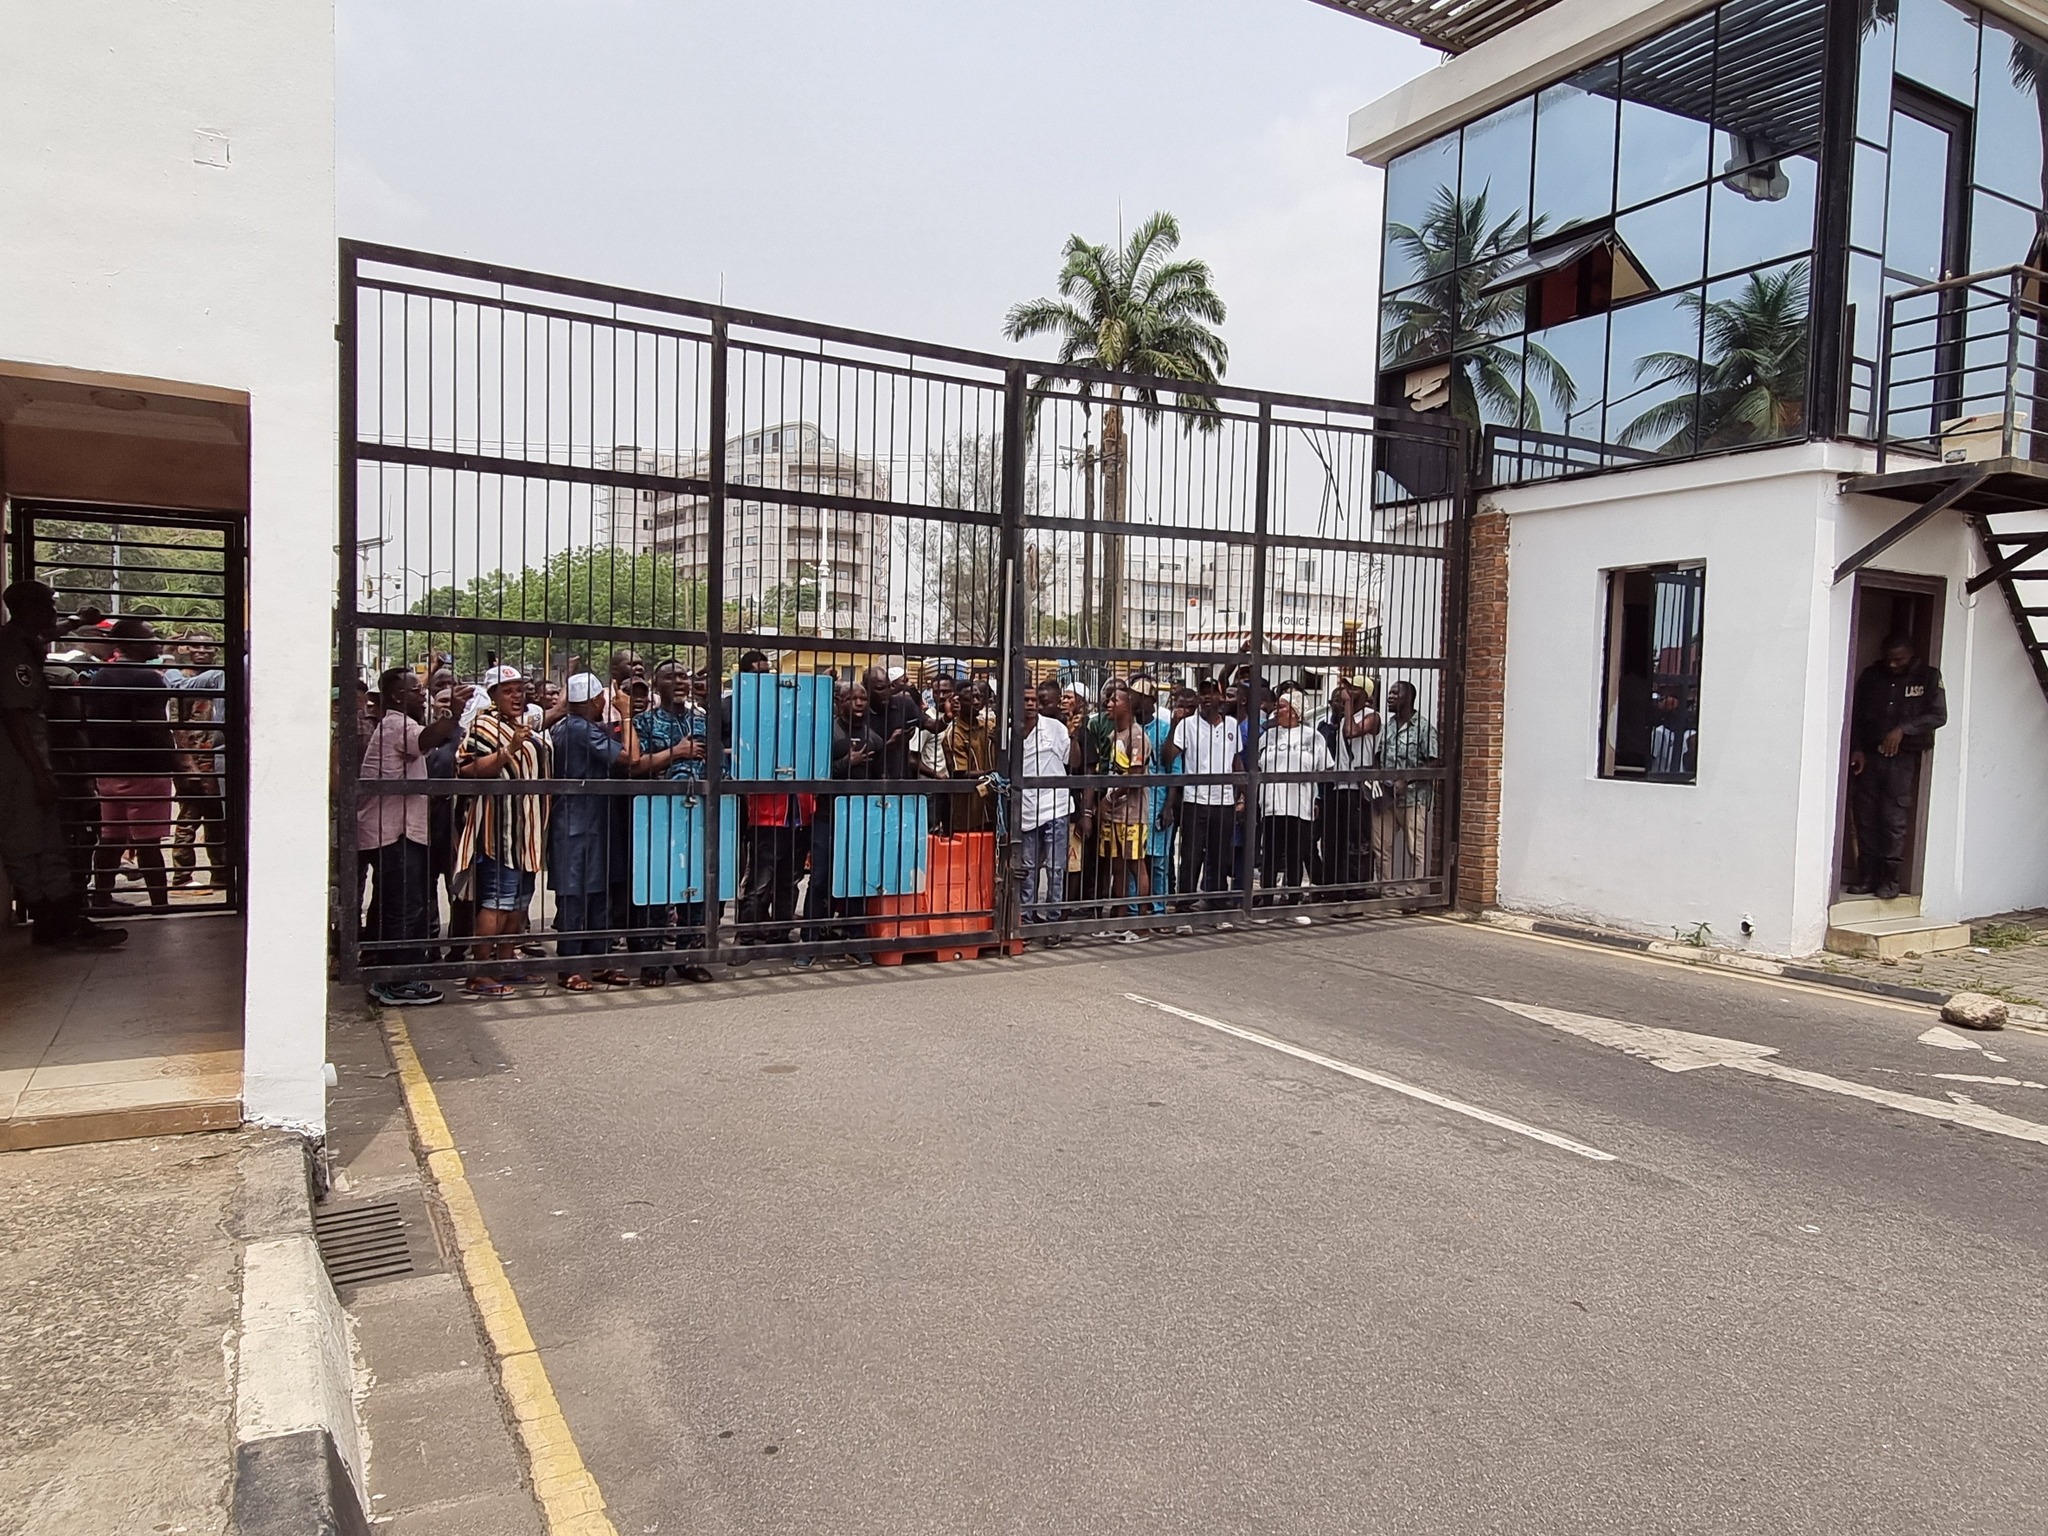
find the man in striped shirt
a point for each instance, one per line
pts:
(503, 836)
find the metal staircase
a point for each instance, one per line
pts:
(1962, 378)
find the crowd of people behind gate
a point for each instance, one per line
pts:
(454, 877)
(113, 747)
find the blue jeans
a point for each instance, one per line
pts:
(1044, 849)
(500, 887)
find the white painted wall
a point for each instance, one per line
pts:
(118, 252)
(1756, 834)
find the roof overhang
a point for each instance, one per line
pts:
(1532, 45)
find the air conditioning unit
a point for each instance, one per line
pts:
(1974, 439)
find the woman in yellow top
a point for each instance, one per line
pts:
(1123, 827)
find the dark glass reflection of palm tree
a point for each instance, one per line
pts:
(1750, 387)
(1446, 314)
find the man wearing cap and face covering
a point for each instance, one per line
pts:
(585, 845)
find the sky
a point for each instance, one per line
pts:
(911, 167)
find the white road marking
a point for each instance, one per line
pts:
(1948, 1040)
(1676, 1050)
(1978, 1077)
(1381, 1080)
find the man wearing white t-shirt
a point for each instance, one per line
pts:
(1206, 743)
(1049, 753)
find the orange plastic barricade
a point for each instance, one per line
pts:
(960, 885)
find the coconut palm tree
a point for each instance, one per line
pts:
(1750, 384)
(1447, 314)
(1139, 312)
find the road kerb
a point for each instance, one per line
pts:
(569, 1496)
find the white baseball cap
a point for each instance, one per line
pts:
(584, 687)
(499, 675)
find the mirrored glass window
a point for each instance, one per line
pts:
(1876, 33)
(1917, 211)
(1667, 104)
(1866, 311)
(1761, 214)
(1422, 191)
(1488, 384)
(1753, 353)
(1938, 47)
(1417, 322)
(1667, 241)
(1567, 367)
(1494, 182)
(1866, 202)
(2002, 234)
(1575, 133)
(2012, 114)
(1653, 371)
(1767, 86)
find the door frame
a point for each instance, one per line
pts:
(1935, 588)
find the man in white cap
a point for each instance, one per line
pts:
(503, 837)
(586, 833)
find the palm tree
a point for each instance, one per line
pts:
(1750, 384)
(1141, 313)
(1447, 314)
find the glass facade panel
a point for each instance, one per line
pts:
(1761, 214)
(1487, 382)
(1496, 169)
(1767, 87)
(1666, 104)
(1938, 47)
(1916, 217)
(1866, 313)
(1753, 356)
(2001, 233)
(1668, 239)
(1866, 206)
(1653, 365)
(1874, 75)
(2012, 114)
(1419, 186)
(1575, 132)
(1567, 367)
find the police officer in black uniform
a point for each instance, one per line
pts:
(33, 848)
(1899, 706)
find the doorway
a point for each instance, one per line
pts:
(1887, 603)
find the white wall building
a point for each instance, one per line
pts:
(167, 341)
(1695, 554)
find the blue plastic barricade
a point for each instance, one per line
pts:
(781, 726)
(668, 849)
(878, 844)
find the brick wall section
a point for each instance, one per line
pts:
(1486, 649)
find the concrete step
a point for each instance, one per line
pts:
(1894, 938)
(1864, 909)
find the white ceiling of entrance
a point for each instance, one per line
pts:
(129, 408)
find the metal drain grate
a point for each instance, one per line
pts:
(363, 1242)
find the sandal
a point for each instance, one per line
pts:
(577, 984)
(484, 987)
(614, 977)
(653, 978)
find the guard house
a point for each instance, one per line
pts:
(1740, 301)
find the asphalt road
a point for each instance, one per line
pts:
(991, 1248)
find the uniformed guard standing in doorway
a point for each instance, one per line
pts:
(32, 845)
(1899, 706)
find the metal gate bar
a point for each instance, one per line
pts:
(545, 474)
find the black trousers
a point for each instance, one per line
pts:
(1344, 835)
(1283, 854)
(404, 872)
(768, 890)
(1205, 847)
(1883, 797)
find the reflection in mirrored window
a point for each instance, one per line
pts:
(1866, 300)
(1486, 385)
(1753, 352)
(1668, 240)
(1418, 322)
(1917, 214)
(1567, 367)
(1866, 201)
(1762, 214)
(2002, 234)
(1876, 33)
(2012, 119)
(1938, 47)
(1575, 129)
(1767, 81)
(1419, 184)
(1667, 102)
(1496, 169)
(1653, 370)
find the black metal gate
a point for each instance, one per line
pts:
(817, 572)
(152, 780)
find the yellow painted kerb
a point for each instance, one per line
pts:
(568, 1494)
